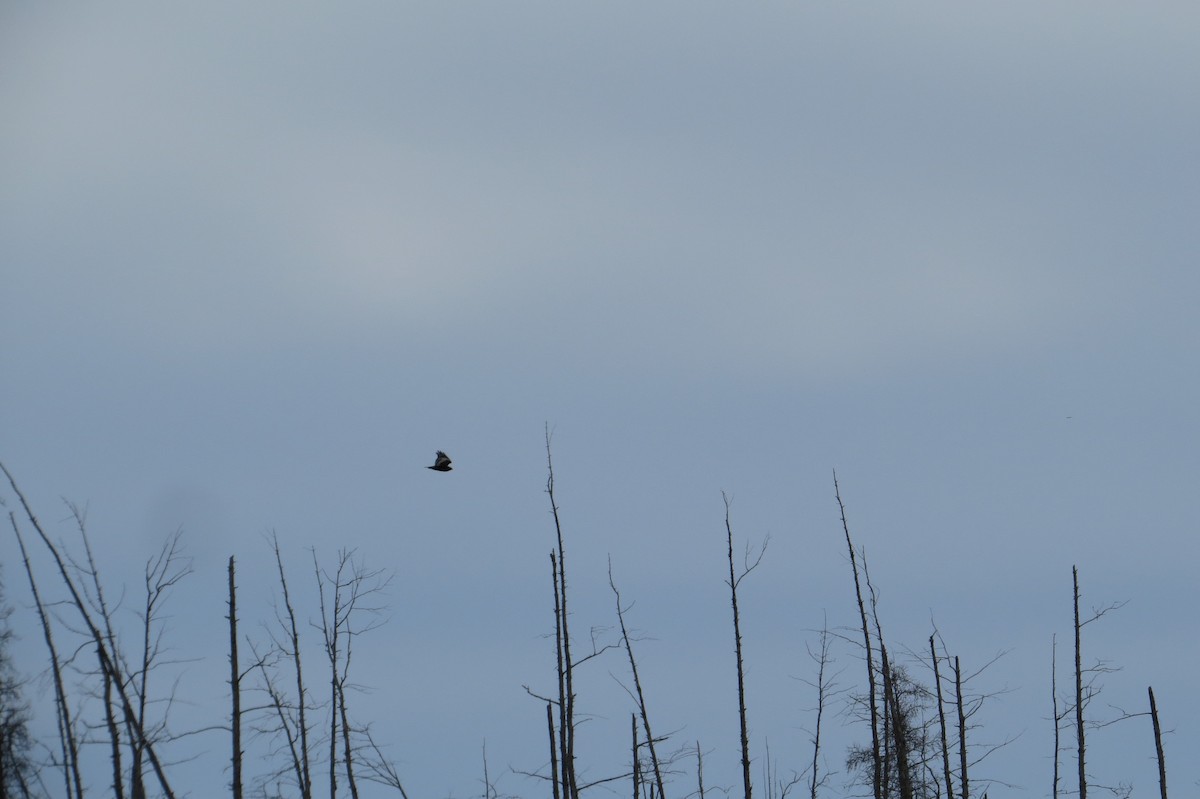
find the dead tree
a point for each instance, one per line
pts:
(887, 672)
(347, 610)
(1079, 697)
(379, 769)
(114, 736)
(489, 789)
(290, 646)
(1057, 717)
(162, 573)
(563, 668)
(110, 708)
(776, 787)
(962, 731)
(937, 681)
(331, 652)
(235, 688)
(68, 743)
(640, 695)
(733, 582)
(110, 662)
(562, 639)
(553, 751)
(347, 746)
(1085, 678)
(1158, 747)
(877, 775)
(351, 585)
(285, 723)
(900, 726)
(825, 689)
(635, 763)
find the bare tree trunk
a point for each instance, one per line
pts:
(1054, 707)
(877, 782)
(563, 638)
(637, 770)
(886, 673)
(553, 751)
(637, 684)
(137, 785)
(822, 688)
(1158, 747)
(561, 669)
(305, 772)
(699, 772)
(331, 634)
(108, 659)
(161, 574)
(349, 585)
(333, 723)
(114, 736)
(279, 705)
(66, 726)
(899, 727)
(1079, 689)
(937, 681)
(741, 674)
(235, 687)
(346, 747)
(962, 731)
(488, 791)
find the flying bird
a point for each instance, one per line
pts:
(441, 463)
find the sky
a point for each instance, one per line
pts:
(257, 263)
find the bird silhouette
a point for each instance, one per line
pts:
(441, 463)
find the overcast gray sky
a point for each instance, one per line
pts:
(260, 261)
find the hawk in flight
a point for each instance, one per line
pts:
(441, 463)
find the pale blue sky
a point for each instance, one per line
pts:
(259, 263)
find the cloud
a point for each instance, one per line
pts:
(183, 184)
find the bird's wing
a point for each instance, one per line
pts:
(442, 459)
